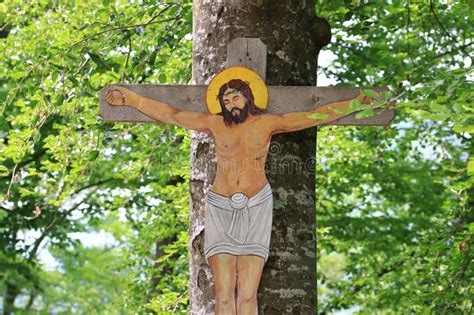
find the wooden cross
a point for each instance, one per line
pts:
(251, 53)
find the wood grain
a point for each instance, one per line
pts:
(248, 52)
(282, 99)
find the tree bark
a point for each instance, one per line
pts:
(293, 35)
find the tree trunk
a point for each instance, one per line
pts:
(11, 292)
(294, 36)
(155, 280)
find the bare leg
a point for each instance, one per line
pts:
(249, 272)
(223, 267)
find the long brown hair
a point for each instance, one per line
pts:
(244, 88)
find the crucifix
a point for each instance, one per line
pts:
(241, 114)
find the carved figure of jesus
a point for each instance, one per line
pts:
(239, 205)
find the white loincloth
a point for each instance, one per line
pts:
(238, 225)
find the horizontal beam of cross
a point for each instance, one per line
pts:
(282, 99)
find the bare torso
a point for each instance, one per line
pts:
(241, 151)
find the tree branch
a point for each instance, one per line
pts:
(65, 214)
(120, 28)
(445, 30)
(127, 60)
(453, 50)
(38, 242)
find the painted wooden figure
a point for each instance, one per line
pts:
(239, 206)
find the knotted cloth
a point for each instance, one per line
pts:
(239, 225)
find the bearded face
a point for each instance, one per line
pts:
(236, 107)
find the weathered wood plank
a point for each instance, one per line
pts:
(184, 97)
(282, 99)
(248, 52)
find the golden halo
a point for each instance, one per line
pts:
(257, 85)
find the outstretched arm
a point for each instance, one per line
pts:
(157, 110)
(300, 120)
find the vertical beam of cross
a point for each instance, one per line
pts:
(251, 53)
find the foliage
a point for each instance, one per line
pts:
(396, 204)
(395, 223)
(88, 281)
(64, 171)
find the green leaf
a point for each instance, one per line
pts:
(370, 93)
(343, 111)
(357, 105)
(460, 128)
(152, 58)
(458, 108)
(439, 116)
(438, 107)
(4, 171)
(386, 95)
(17, 75)
(101, 64)
(364, 114)
(24, 192)
(92, 155)
(59, 100)
(318, 116)
(419, 113)
(162, 78)
(470, 167)
(470, 227)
